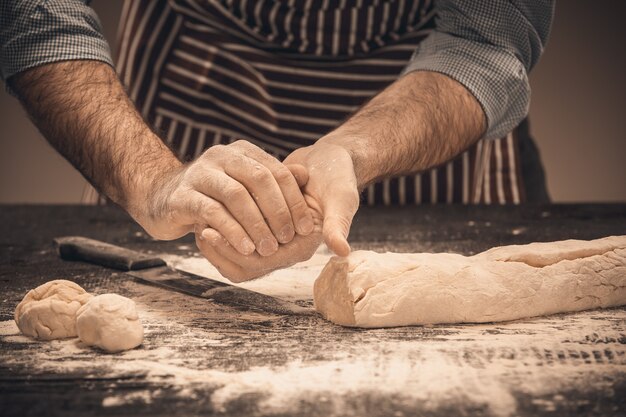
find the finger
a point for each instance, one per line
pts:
(226, 268)
(300, 173)
(220, 246)
(305, 225)
(232, 194)
(199, 207)
(339, 210)
(289, 186)
(299, 249)
(262, 185)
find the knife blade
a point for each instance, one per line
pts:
(153, 270)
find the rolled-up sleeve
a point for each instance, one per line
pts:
(33, 33)
(489, 47)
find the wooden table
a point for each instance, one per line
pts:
(200, 358)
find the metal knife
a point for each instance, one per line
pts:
(153, 270)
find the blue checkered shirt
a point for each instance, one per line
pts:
(489, 46)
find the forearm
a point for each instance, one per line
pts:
(82, 109)
(420, 121)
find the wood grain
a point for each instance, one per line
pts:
(202, 358)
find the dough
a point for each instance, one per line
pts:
(369, 289)
(49, 311)
(110, 322)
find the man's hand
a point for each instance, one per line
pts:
(238, 268)
(84, 112)
(331, 190)
(245, 194)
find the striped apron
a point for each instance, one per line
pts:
(282, 73)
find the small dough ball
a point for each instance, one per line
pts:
(49, 311)
(110, 322)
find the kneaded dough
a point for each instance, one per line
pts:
(49, 311)
(369, 289)
(110, 322)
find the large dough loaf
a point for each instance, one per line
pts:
(369, 289)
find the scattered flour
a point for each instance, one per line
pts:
(138, 396)
(294, 283)
(9, 328)
(192, 347)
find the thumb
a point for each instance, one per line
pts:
(339, 211)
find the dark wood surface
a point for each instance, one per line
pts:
(580, 358)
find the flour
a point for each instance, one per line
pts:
(294, 283)
(140, 396)
(433, 379)
(423, 369)
(19, 339)
(8, 328)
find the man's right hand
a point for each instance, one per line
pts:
(248, 196)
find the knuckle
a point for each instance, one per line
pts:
(282, 213)
(234, 192)
(223, 225)
(221, 222)
(242, 147)
(260, 227)
(239, 143)
(299, 206)
(210, 210)
(260, 174)
(195, 175)
(213, 151)
(283, 175)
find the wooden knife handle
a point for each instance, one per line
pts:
(78, 248)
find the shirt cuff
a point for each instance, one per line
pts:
(50, 31)
(495, 76)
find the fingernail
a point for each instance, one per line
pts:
(247, 247)
(267, 246)
(305, 225)
(286, 233)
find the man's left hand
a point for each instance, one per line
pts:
(331, 191)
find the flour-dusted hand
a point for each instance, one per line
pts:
(331, 193)
(245, 194)
(331, 189)
(239, 268)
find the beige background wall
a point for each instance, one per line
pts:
(578, 114)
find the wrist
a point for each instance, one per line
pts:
(148, 187)
(358, 147)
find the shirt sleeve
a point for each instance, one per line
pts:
(489, 47)
(35, 32)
